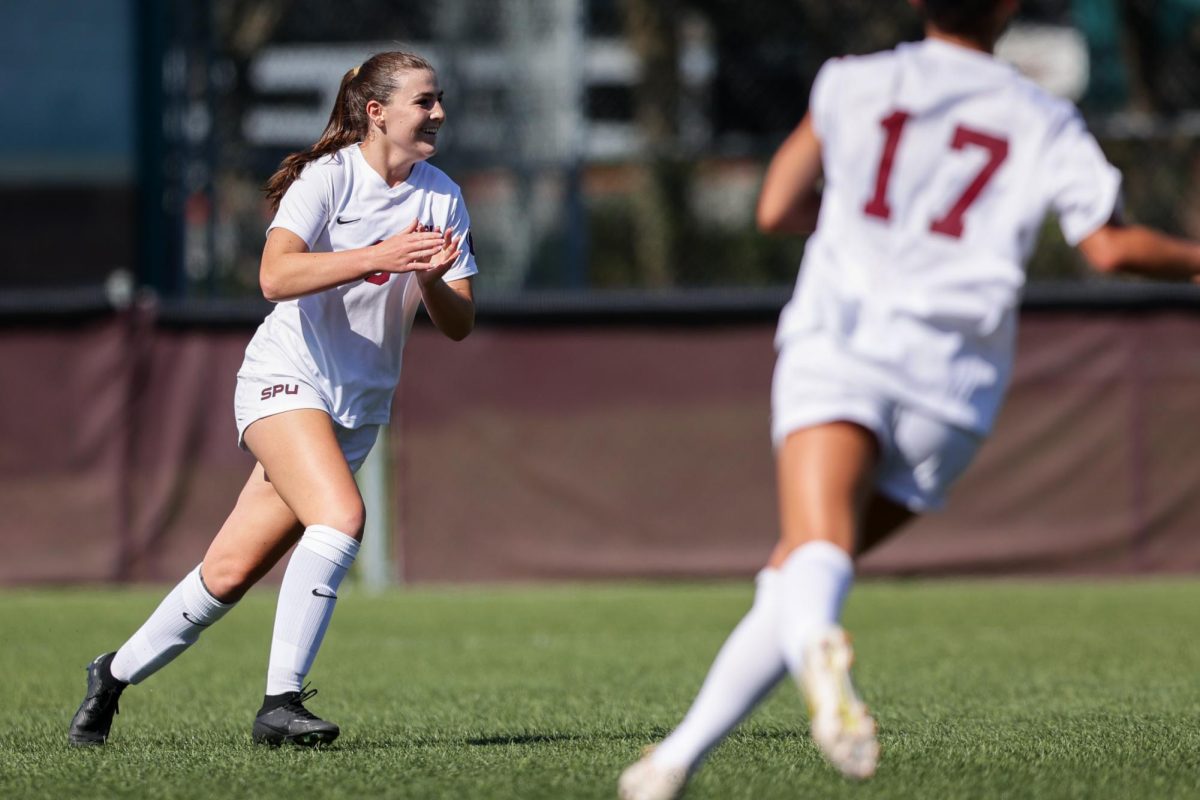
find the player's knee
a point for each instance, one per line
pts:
(228, 578)
(349, 517)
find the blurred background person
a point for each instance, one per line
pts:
(897, 347)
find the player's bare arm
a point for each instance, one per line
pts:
(451, 305)
(288, 270)
(789, 200)
(1139, 250)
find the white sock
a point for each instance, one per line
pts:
(173, 627)
(813, 584)
(748, 666)
(306, 601)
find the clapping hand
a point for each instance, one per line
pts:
(411, 250)
(444, 259)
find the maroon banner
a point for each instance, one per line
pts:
(592, 452)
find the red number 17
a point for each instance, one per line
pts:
(952, 223)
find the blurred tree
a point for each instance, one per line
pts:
(766, 61)
(1163, 57)
(1144, 54)
(768, 55)
(243, 28)
(661, 214)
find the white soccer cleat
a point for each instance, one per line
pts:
(645, 780)
(841, 725)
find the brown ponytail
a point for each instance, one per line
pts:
(376, 79)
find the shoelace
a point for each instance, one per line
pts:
(296, 704)
(105, 695)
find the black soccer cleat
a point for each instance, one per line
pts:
(283, 719)
(94, 718)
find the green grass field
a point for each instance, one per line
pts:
(982, 690)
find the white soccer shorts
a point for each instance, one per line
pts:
(920, 456)
(258, 396)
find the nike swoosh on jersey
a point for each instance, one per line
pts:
(319, 593)
(341, 221)
(188, 617)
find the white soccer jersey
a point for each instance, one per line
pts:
(347, 342)
(940, 164)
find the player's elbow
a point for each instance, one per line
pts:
(462, 330)
(797, 216)
(769, 213)
(270, 284)
(1105, 252)
(772, 219)
(270, 290)
(1106, 262)
(767, 222)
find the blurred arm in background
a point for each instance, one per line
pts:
(1139, 250)
(790, 197)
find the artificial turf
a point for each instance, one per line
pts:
(982, 690)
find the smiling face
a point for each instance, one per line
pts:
(413, 115)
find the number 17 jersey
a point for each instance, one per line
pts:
(940, 164)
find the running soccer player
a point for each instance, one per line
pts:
(939, 164)
(365, 231)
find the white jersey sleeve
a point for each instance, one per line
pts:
(305, 207)
(459, 221)
(1082, 187)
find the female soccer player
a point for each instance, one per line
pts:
(365, 230)
(939, 163)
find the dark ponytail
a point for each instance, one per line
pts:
(376, 79)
